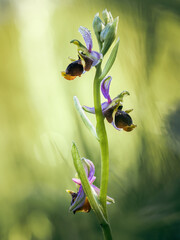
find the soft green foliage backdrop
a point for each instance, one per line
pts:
(38, 121)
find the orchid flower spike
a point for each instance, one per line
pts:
(80, 201)
(87, 57)
(112, 109)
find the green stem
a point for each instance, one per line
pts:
(107, 232)
(103, 141)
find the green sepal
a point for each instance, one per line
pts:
(110, 60)
(80, 46)
(78, 164)
(117, 101)
(121, 95)
(84, 118)
(108, 35)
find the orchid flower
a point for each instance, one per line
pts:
(86, 57)
(80, 201)
(112, 109)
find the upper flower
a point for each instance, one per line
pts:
(79, 201)
(86, 57)
(112, 109)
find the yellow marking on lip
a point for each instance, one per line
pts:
(129, 128)
(67, 76)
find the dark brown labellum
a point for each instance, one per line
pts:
(122, 119)
(75, 68)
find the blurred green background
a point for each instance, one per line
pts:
(38, 121)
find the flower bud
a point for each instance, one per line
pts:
(98, 26)
(105, 31)
(106, 16)
(108, 35)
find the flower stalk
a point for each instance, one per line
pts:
(89, 195)
(103, 141)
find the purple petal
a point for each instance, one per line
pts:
(79, 201)
(92, 179)
(89, 109)
(109, 200)
(76, 180)
(87, 37)
(89, 168)
(105, 85)
(104, 105)
(95, 57)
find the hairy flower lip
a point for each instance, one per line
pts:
(75, 68)
(122, 119)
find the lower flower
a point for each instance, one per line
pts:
(80, 201)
